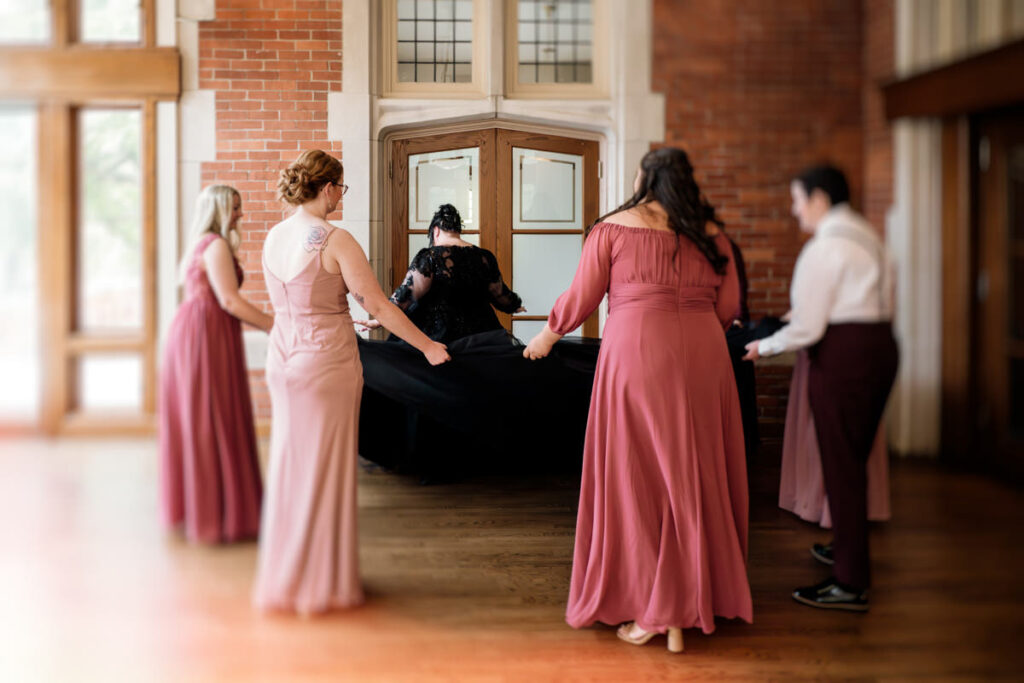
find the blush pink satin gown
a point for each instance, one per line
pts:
(309, 551)
(661, 533)
(209, 473)
(802, 485)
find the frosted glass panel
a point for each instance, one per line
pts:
(110, 224)
(24, 21)
(110, 382)
(542, 268)
(19, 277)
(417, 242)
(111, 21)
(448, 177)
(547, 190)
(525, 330)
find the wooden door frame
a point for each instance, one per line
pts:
(964, 241)
(507, 139)
(495, 140)
(398, 174)
(63, 77)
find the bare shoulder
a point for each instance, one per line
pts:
(631, 218)
(315, 235)
(217, 248)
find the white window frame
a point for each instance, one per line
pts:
(390, 85)
(596, 89)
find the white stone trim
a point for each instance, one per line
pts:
(626, 123)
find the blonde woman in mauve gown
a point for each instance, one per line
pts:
(309, 555)
(209, 474)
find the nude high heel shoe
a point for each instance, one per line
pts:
(625, 632)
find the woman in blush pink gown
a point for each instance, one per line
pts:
(309, 554)
(661, 533)
(802, 485)
(209, 474)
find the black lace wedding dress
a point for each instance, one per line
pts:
(449, 292)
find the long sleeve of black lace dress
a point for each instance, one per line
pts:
(502, 298)
(416, 283)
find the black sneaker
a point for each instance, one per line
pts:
(823, 553)
(830, 594)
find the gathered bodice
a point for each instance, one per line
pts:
(646, 270)
(197, 284)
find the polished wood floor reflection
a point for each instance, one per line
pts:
(468, 581)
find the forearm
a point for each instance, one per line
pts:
(247, 313)
(392, 318)
(796, 335)
(548, 336)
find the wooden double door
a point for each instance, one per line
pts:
(999, 318)
(526, 197)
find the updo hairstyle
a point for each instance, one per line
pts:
(448, 219)
(303, 179)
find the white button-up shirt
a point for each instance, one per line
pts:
(843, 274)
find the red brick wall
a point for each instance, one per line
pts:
(879, 66)
(272, 63)
(754, 92)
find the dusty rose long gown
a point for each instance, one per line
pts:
(802, 484)
(309, 552)
(661, 534)
(209, 474)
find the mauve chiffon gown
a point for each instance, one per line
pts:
(661, 533)
(309, 552)
(209, 473)
(802, 484)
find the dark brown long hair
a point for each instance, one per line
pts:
(667, 178)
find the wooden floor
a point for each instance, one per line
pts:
(468, 582)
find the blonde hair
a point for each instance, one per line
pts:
(212, 214)
(303, 179)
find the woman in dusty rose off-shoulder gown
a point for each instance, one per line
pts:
(661, 534)
(309, 556)
(209, 475)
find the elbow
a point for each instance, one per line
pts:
(231, 304)
(373, 305)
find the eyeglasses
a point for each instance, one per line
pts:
(343, 186)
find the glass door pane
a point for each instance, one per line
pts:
(111, 21)
(109, 233)
(19, 275)
(448, 177)
(547, 230)
(109, 382)
(547, 190)
(24, 22)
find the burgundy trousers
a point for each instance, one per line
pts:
(851, 373)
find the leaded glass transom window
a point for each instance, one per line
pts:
(435, 41)
(555, 40)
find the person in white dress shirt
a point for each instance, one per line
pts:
(841, 299)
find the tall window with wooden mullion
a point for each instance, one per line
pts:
(92, 76)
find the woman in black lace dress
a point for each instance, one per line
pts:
(452, 287)
(468, 416)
